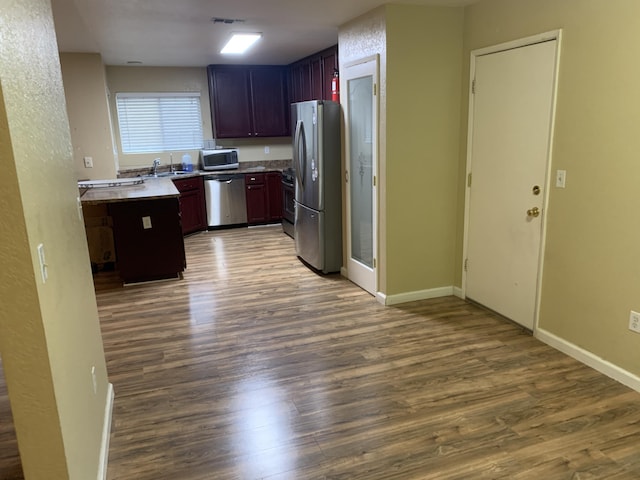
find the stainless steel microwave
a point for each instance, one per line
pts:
(220, 159)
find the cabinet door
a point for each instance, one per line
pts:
(316, 79)
(192, 210)
(270, 102)
(296, 84)
(274, 195)
(256, 204)
(230, 102)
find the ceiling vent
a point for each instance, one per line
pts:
(227, 21)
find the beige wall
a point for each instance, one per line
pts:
(49, 332)
(85, 90)
(590, 278)
(420, 52)
(424, 54)
(172, 79)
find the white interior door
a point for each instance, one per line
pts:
(361, 166)
(509, 156)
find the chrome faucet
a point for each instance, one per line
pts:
(156, 162)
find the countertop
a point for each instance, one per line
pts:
(152, 188)
(163, 187)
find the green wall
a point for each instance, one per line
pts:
(591, 276)
(424, 52)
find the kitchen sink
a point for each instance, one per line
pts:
(167, 174)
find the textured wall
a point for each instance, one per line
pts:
(85, 91)
(590, 278)
(361, 38)
(49, 332)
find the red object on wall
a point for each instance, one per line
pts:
(335, 87)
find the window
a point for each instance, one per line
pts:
(158, 122)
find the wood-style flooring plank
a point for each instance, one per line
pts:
(255, 367)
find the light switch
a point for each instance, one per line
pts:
(88, 162)
(146, 223)
(561, 177)
(43, 263)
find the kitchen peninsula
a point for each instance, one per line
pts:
(147, 233)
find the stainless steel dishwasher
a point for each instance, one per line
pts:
(226, 200)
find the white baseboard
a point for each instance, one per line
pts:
(343, 272)
(457, 292)
(414, 296)
(588, 358)
(106, 434)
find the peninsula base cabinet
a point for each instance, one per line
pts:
(148, 239)
(264, 198)
(192, 211)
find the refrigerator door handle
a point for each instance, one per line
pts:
(300, 152)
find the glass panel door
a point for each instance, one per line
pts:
(361, 168)
(361, 147)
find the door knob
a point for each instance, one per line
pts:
(533, 212)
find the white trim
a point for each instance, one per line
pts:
(106, 434)
(522, 42)
(458, 292)
(589, 359)
(344, 272)
(414, 296)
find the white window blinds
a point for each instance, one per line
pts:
(157, 122)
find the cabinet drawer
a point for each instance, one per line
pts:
(254, 178)
(184, 184)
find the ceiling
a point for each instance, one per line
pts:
(181, 33)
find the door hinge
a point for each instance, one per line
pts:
(473, 86)
(375, 89)
(374, 180)
(466, 264)
(374, 263)
(469, 179)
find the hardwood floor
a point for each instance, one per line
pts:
(254, 367)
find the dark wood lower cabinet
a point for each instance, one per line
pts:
(264, 198)
(148, 239)
(274, 196)
(192, 209)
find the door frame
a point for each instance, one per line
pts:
(522, 42)
(344, 79)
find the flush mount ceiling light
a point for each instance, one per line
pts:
(240, 43)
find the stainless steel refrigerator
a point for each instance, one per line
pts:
(318, 200)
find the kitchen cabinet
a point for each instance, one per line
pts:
(311, 77)
(264, 198)
(192, 211)
(249, 101)
(256, 191)
(274, 196)
(148, 239)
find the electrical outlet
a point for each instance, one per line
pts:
(267, 150)
(88, 162)
(561, 178)
(146, 223)
(634, 322)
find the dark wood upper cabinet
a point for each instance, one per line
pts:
(311, 77)
(270, 101)
(249, 101)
